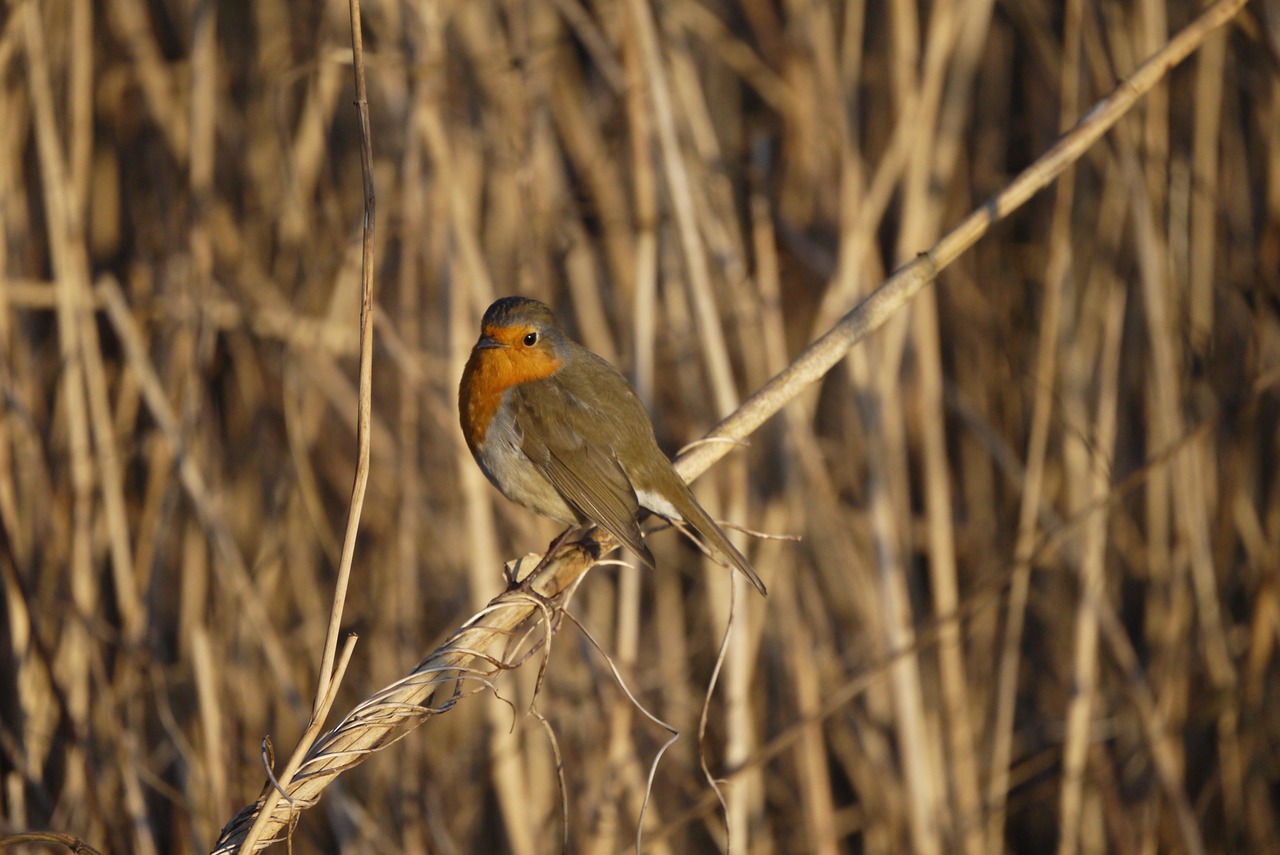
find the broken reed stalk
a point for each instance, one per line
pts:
(515, 626)
(505, 634)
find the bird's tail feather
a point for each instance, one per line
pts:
(704, 525)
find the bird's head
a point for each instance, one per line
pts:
(519, 342)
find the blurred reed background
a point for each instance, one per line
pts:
(1051, 486)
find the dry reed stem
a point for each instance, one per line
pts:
(1044, 374)
(711, 336)
(922, 211)
(1091, 480)
(804, 666)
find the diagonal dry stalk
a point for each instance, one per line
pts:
(513, 628)
(520, 622)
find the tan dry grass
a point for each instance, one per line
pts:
(1036, 602)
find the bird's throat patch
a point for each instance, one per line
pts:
(489, 374)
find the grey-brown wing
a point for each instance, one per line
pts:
(555, 430)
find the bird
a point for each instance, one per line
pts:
(559, 430)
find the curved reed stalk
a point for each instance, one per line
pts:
(514, 628)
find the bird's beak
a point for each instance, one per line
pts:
(488, 342)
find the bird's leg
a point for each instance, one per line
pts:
(555, 544)
(582, 531)
(546, 556)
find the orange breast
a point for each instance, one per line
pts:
(490, 372)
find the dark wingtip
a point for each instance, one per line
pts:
(749, 571)
(645, 556)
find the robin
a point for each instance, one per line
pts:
(559, 430)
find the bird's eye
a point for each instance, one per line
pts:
(531, 339)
